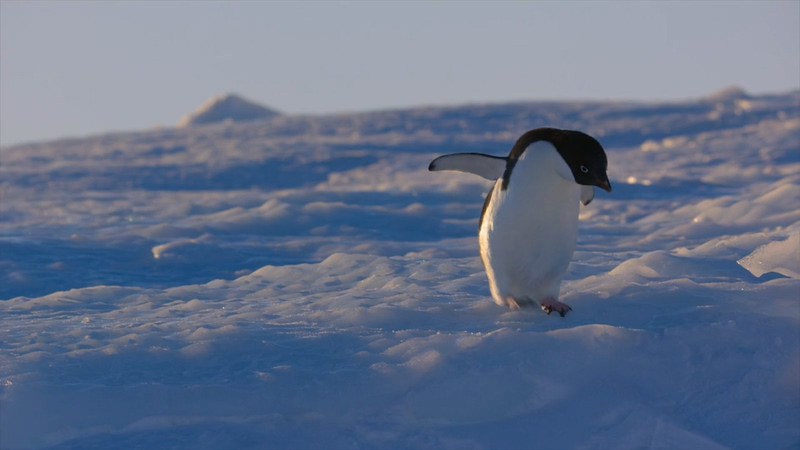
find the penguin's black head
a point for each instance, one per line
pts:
(582, 153)
(584, 156)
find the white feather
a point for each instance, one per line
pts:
(529, 230)
(587, 195)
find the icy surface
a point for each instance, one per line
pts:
(304, 282)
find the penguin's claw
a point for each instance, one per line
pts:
(548, 306)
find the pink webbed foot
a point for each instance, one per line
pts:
(549, 305)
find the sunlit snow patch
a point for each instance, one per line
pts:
(781, 257)
(161, 250)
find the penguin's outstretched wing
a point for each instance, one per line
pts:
(486, 166)
(587, 195)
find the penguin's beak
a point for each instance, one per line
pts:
(603, 183)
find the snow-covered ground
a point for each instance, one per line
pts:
(304, 282)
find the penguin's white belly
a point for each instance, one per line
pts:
(528, 234)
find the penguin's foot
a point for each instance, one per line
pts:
(519, 303)
(550, 304)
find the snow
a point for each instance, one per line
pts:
(304, 282)
(781, 257)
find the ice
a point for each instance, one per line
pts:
(305, 282)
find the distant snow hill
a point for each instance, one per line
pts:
(228, 107)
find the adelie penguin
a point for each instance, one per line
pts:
(529, 223)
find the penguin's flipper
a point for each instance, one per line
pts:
(587, 195)
(486, 166)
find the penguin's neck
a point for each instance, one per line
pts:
(542, 175)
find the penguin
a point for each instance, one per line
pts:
(528, 227)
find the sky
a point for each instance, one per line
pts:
(71, 69)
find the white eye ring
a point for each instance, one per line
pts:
(584, 169)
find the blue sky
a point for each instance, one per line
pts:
(72, 69)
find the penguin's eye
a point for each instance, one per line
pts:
(584, 169)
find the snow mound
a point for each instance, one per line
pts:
(728, 94)
(227, 107)
(781, 257)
